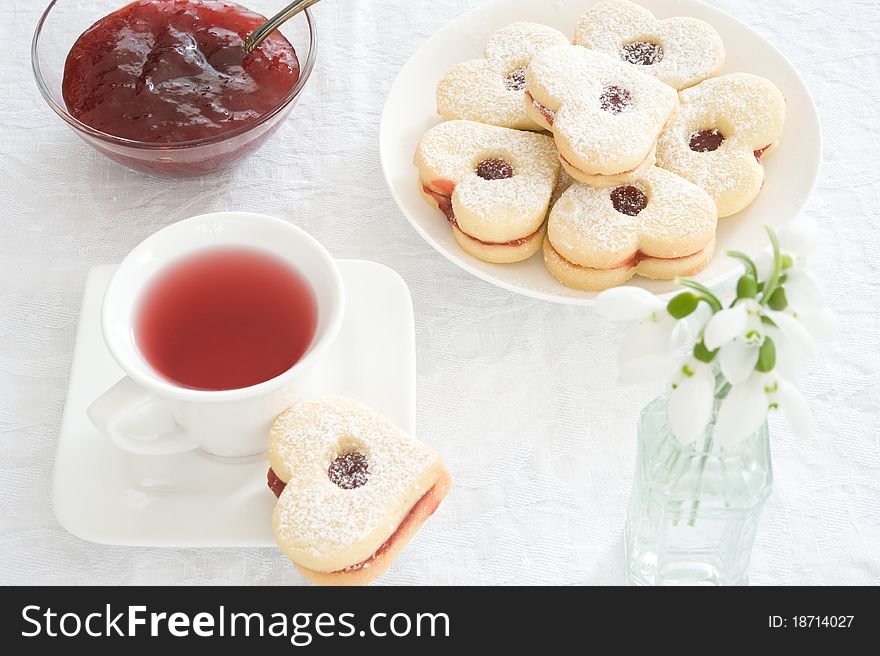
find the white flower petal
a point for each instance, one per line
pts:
(794, 332)
(822, 325)
(724, 326)
(804, 291)
(790, 359)
(795, 408)
(627, 304)
(737, 361)
(742, 412)
(643, 339)
(690, 404)
(644, 354)
(679, 334)
(764, 264)
(798, 238)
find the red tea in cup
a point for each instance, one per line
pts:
(226, 318)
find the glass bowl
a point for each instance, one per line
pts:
(65, 20)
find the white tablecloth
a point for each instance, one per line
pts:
(517, 394)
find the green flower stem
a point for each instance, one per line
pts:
(695, 505)
(773, 282)
(722, 387)
(705, 293)
(746, 260)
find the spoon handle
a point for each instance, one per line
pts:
(258, 35)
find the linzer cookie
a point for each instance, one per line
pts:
(724, 128)
(678, 51)
(353, 489)
(489, 90)
(659, 226)
(493, 184)
(605, 115)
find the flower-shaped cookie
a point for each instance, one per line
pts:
(659, 226)
(605, 115)
(490, 90)
(494, 185)
(352, 489)
(678, 51)
(724, 126)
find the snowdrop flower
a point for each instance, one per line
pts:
(748, 350)
(691, 399)
(793, 343)
(745, 407)
(804, 291)
(739, 333)
(649, 351)
(822, 325)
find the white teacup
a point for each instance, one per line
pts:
(227, 423)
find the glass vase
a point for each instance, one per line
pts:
(694, 508)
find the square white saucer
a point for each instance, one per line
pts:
(103, 494)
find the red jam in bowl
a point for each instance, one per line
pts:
(167, 71)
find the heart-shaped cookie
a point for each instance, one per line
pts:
(658, 226)
(725, 126)
(353, 489)
(493, 184)
(489, 90)
(605, 115)
(678, 51)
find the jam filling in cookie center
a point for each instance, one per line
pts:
(705, 141)
(629, 200)
(516, 80)
(615, 99)
(494, 169)
(643, 53)
(349, 470)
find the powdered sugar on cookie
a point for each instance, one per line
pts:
(462, 161)
(724, 127)
(352, 476)
(678, 51)
(606, 114)
(489, 90)
(660, 226)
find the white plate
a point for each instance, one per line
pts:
(410, 111)
(103, 494)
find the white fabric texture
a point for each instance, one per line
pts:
(518, 395)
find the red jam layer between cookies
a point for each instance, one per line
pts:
(444, 203)
(630, 262)
(168, 71)
(596, 175)
(760, 152)
(423, 508)
(548, 114)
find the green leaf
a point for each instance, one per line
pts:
(703, 354)
(683, 305)
(747, 287)
(778, 301)
(773, 282)
(745, 259)
(766, 356)
(706, 293)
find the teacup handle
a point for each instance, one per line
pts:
(110, 410)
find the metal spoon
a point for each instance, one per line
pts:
(258, 35)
